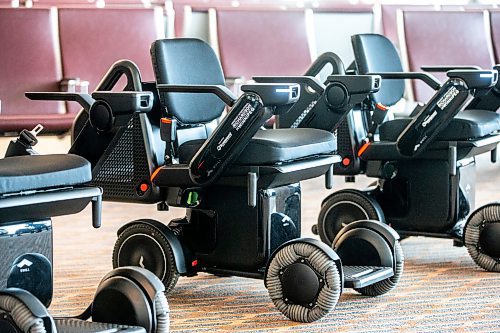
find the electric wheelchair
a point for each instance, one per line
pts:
(33, 189)
(425, 163)
(238, 183)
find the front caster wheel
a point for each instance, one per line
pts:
(384, 286)
(141, 244)
(303, 280)
(481, 235)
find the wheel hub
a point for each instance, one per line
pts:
(144, 251)
(488, 239)
(301, 284)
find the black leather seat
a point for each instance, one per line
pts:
(468, 124)
(35, 172)
(270, 147)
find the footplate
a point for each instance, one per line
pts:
(362, 276)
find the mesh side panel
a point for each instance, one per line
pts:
(124, 165)
(344, 138)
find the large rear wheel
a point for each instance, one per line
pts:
(344, 207)
(142, 245)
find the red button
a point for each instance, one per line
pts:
(346, 161)
(144, 187)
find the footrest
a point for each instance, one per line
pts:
(362, 276)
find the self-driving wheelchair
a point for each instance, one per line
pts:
(239, 184)
(425, 163)
(33, 189)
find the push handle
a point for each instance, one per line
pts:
(327, 58)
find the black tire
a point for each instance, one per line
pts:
(143, 245)
(384, 286)
(481, 235)
(342, 208)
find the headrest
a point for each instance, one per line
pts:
(375, 53)
(188, 61)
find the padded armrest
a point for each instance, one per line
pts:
(219, 90)
(475, 79)
(274, 94)
(430, 80)
(445, 68)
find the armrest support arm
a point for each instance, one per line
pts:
(430, 80)
(219, 90)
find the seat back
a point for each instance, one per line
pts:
(122, 34)
(29, 61)
(495, 33)
(445, 38)
(345, 21)
(389, 18)
(188, 61)
(244, 52)
(376, 53)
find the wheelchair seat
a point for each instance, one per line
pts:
(270, 147)
(466, 125)
(307, 152)
(35, 172)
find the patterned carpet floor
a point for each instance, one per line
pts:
(441, 290)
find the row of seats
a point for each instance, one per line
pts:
(285, 42)
(43, 46)
(253, 39)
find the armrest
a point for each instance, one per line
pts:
(85, 100)
(274, 94)
(219, 90)
(430, 80)
(475, 79)
(310, 81)
(123, 102)
(445, 68)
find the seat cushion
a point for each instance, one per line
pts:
(275, 146)
(468, 124)
(36, 172)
